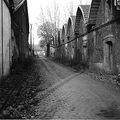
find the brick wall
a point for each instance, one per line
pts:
(106, 13)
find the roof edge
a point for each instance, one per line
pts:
(21, 3)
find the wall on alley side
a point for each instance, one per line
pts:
(5, 38)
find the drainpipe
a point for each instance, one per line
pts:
(2, 37)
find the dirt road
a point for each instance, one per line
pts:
(75, 95)
(48, 90)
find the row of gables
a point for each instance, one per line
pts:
(14, 30)
(91, 36)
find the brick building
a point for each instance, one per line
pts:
(81, 21)
(104, 50)
(63, 41)
(75, 51)
(95, 30)
(70, 36)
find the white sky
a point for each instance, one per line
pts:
(34, 8)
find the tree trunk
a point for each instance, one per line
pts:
(48, 49)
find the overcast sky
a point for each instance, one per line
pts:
(34, 8)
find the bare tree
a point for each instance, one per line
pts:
(56, 14)
(49, 24)
(70, 8)
(46, 33)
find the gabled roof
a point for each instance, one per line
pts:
(14, 3)
(71, 21)
(60, 33)
(93, 11)
(82, 12)
(64, 27)
(18, 4)
(64, 31)
(58, 37)
(85, 9)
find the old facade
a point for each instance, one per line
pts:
(70, 36)
(82, 15)
(5, 37)
(92, 36)
(9, 49)
(63, 41)
(104, 41)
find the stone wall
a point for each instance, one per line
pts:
(12, 40)
(106, 39)
(0, 42)
(5, 36)
(6, 39)
(101, 45)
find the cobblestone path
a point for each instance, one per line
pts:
(59, 92)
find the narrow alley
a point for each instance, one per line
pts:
(53, 91)
(60, 59)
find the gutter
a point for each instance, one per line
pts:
(20, 4)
